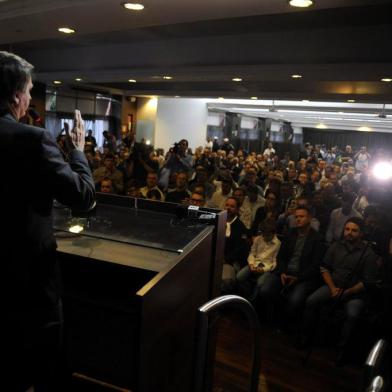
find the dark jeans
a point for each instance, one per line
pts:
(295, 295)
(32, 352)
(353, 308)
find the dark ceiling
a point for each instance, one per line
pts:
(341, 52)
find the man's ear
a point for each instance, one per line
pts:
(16, 100)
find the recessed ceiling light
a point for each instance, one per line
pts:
(387, 80)
(301, 3)
(296, 76)
(57, 81)
(305, 100)
(321, 126)
(176, 96)
(132, 80)
(236, 80)
(351, 100)
(66, 30)
(133, 6)
(167, 77)
(253, 98)
(220, 98)
(365, 129)
(78, 79)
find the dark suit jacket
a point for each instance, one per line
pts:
(236, 246)
(311, 256)
(33, 174)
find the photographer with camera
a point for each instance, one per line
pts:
(177, 160)
(139, 164)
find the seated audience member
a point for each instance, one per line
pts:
(261, 261)
(154, 194)
(361, 202)
(283, 221)
(297, 272)
(133, 189)
(321, 212)
(254, 200)
(269, 211)
(152, 184)
(106, 186)
(218, 199)
(303, 201)
(286, 195)
(202, 178)
(348, 266)
(109, 170)
(236, 245)
(339, 217)
(302, 186)
(180, 194)
(197, 199)
(245, 212)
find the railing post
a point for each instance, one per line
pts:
(204, 312)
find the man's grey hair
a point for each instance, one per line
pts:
(14, 74)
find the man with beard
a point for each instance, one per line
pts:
(348, 266)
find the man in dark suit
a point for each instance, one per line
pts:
(35, 174)
(236, 245)
(297, 272)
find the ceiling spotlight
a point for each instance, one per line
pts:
(365, 129)
(133, 6)
(220, 98)
(57, 81)
(321, 126)
(66, 30)
(253, 98)
(176, 96)
(296, 76)
(351, 100)
(78, 79)
(132, 80)
(387, 80)
(167, 77)
(305, 100)
(301, 3)
(236, 80)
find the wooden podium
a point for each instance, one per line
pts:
(132, 282)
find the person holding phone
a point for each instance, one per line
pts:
(36, 175)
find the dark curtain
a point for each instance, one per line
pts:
(335, 137)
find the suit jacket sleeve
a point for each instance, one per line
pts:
(72, 182)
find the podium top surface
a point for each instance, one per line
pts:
(151, 229)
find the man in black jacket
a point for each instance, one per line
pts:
(236, 245)
(35, 174)
(297, 272)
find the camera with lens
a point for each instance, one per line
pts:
(175, 149)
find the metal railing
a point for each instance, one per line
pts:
(204, 312)
(374, 366)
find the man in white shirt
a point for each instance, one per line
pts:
(269, 151)
(261, 261)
